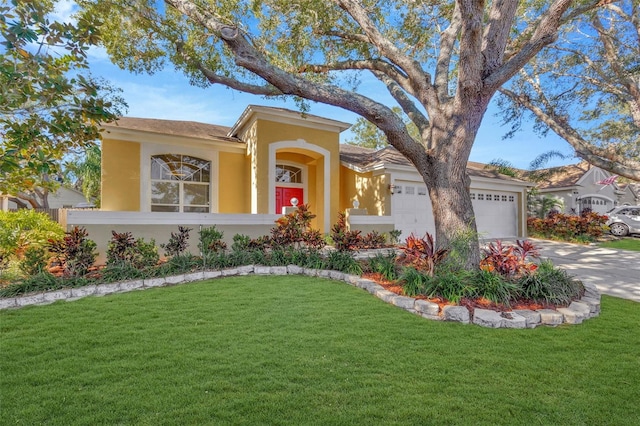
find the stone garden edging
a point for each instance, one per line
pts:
(587, 307)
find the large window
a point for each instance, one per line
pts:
(180, 183)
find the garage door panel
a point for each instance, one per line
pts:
(496, 212)
(411, 209)
(495, 218)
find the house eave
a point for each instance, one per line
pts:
(381, 166)
(145, 136)
(254, 112)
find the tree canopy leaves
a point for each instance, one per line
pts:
(586, 88)
(49, 106)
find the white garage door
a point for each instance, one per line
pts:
(496, 212)
(411, 208)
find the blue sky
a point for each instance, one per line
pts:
(168, 95)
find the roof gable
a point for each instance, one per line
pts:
(286, 116)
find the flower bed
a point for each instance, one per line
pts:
(510, 277)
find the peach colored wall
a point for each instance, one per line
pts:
(371, 191)
(120, 175)
(234, 190)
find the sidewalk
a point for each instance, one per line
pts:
(613, 272)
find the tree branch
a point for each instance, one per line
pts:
(496, 34)
(412, 68)
(409, 108)
(250, 58)
(601, 157)
(264, 90)
(543, 34)
(447, 42)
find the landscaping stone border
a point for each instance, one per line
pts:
(587, 307)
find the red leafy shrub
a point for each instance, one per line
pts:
(75, 253)
(423, 254)
(294, 229)
(568, 227)
(510, 261)
(373, 240)
(344, 239)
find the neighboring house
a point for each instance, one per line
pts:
(577, 186)
(63, 198)
(272, 155)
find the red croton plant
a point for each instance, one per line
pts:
(510, 261)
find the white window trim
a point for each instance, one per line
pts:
(148, 150)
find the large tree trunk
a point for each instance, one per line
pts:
(445, 173)
(452, 209)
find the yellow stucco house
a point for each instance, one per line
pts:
(163, 173)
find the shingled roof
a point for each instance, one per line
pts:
(561, 176)
(191, 129)
(364, 158)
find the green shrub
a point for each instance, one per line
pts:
(459, 250)
(394, 236)
(180, 264)
(385, 265)
(147, 255)
(211, 240)
(312, 259)
(413, 281)
(241, 242)
(126, 252)
(343, 261)
(35, 261)
(451, 286)
(280, 256)
(42, 281)
(550, 284)
(121, 272)
(26, 228)
(494, 287)
(4, 260)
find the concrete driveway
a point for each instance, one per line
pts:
(613, 272)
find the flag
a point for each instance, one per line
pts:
(608, 181)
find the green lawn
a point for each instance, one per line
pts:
(301, 350)
(623, 244)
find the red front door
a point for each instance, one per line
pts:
(284, 196)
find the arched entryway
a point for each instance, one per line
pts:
(301, 169)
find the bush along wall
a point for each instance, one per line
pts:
(509, 276)
(558, 226)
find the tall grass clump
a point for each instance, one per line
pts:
(550, 284)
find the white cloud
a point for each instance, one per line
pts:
(64, 11)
